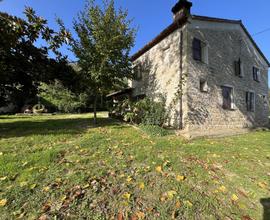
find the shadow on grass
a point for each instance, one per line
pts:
(266, 208)
(14, 117)
(52, 126)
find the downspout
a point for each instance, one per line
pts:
(181, 79)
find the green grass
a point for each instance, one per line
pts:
(61, 167)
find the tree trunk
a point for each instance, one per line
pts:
(95, 110)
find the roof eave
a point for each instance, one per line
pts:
(165, 33)
(211, 19)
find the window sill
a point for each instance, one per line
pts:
(201, 62)
(229, 109)
(239, 76)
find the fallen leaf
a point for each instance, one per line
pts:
(126, 196)
(222, 189)
(180, 178)
(120, 216)
(43, 217)
(167, 163)
(234, 198)
(177, 204)
(162, 198)
(170, 194)
(263, 185)
(188, 203)
(3, 178)
(46, 207)
(63, 198)
(24, 183)
(24, 164)
(86, 186)
(3, 202)
(33, 186)
(129, 179)
(141, 186)
(246, 217)
(46, 189)
(140, 215)
(159, 169)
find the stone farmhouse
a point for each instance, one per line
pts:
(210, 71)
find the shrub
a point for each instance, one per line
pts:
(145, 111)
(55, 95)
(154, 130)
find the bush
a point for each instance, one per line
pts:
(154, 130)
(145, 111)
(56, 96)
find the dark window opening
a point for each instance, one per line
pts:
(203, 85)
(256, 74)
(250, 100)
(138, 73)
(227, 94)
(197, 49)
(238, 68)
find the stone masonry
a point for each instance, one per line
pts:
(202, 114)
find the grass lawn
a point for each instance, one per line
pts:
(60, 167)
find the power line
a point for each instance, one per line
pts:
(261, 32)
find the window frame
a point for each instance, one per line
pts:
(197, 48)
(202, 50)
(265, 100)
(239, 68)
(232, 101)
(137, 72)
(248, 101)
(204, 88)
(258, 74)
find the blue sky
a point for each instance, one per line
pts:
(152, 16)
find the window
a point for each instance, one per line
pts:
(137, 73)
(250, 100)
(197, 49)
(203, 85)
(256, 74)
(264, 98)
(200, 51)
(239, 68)
(227, 94)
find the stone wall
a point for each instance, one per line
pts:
(160, 67)
(205, 113)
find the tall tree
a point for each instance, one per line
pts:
(103, 43)
(22, 64)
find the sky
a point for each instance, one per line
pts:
(152, 16)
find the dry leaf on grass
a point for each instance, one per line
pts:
(159, 169)
(180, 178)
(3, 202)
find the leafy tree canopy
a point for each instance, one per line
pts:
(102, 46)
(22, 64)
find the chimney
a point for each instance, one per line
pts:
(181, 9)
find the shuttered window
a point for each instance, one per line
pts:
(227, 94)
(197, 49)
(238, 68)
(256, 74)
(250, 101)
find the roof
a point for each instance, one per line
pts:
(120, 92)
(165, 33)
(181, 21)
(211, 19)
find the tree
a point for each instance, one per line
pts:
(59, 97)
(102, 47)
(22, 64)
